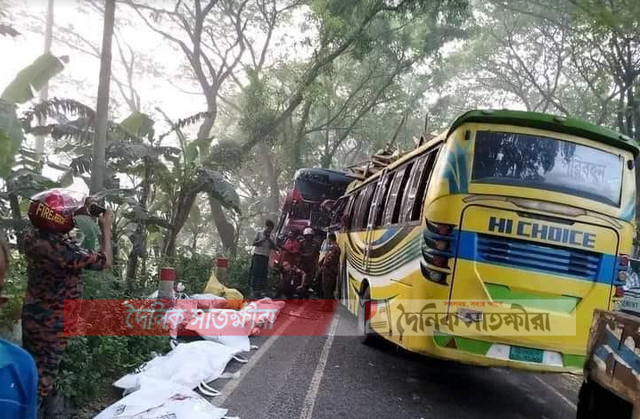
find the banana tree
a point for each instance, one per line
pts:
(19, 172)
(135, 150)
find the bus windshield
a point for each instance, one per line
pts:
(547, 163)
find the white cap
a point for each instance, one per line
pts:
(307, 231)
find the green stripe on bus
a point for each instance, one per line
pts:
(556, 303)
(576, 361)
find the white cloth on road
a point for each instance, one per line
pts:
(188, 364)
(160, 399)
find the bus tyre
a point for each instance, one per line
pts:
(367, 335)
(595, 402)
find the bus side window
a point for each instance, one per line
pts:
(390, 202)
(355, 210)
(406, 209)
(366, 205)
(395, 196)
(339, 212)
(401, 192)
(424, 183)
(381, 199)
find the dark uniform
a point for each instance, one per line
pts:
(309, 254)
(329, 270)
(54, 269)
(292, 278)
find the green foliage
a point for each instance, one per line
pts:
(32, 78)
(238, 272)
(14, 289)
(139, 124)
(10, 136)
(92, 363)
(193, 271)
(215, 184)
(90, 231)
(259, 116)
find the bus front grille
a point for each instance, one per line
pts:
(535, 256)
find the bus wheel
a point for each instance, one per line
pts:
(595, 402)
(367, 335)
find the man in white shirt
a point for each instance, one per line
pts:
(262, 245)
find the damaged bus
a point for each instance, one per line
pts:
(504, 206)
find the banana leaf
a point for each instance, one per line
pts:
(33, 78)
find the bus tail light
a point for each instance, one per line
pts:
(436, 251)
(439, 261)
(441, 244)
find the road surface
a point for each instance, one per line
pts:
(336, 376)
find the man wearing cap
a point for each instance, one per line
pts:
(309, 254)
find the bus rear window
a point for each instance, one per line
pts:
(512, 159)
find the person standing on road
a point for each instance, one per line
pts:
(309, 254)
(15, 359)
(54, 271)
(262, 245)
(330, 267)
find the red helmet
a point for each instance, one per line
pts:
(53, 210)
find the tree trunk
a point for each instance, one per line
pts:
(226, 230)
(140, 235)
(132, 267)
(102, 107)
(185, 203)
(272, 178)
(620, 110)
(44, 92)
(194, 242)
(325, 161)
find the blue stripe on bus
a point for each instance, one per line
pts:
(529, 256)
(388, 233)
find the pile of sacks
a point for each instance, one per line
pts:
(164, 386)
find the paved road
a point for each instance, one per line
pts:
(324, 377)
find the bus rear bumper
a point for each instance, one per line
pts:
(476, 352)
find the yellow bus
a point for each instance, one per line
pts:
(503, 206)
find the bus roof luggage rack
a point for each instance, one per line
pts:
(378, 161)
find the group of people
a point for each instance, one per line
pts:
(54, 269)
(303, 263)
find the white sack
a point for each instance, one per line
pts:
(159, 400)
(188, 364)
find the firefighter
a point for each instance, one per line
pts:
(330, 267)
(309, 254)
(293, 280)
(54, 270)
